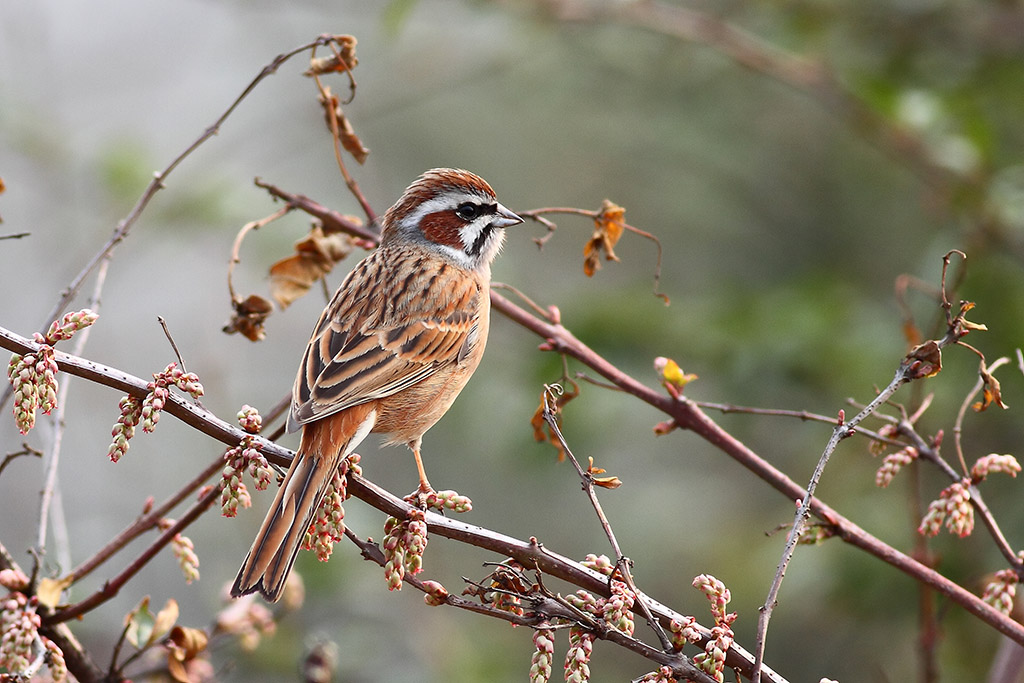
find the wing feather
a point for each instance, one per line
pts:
(381, 334)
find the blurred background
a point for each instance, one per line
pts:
(789, 195)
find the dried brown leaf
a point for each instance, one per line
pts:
(343, 60)
(184, 645)
(603, 482)
(249, 316)
(314, 257)
(925, 360)
(991, 392)
(541, 430)
(336, 119)
(609, 225)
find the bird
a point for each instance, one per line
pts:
(390, 353)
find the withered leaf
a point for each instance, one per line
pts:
(335, 118)
(608, 227)
(965, 324)
(343, 60)
(603, 482)
(541, 430)
(314, 257)
(991, 392)
(184, 645)
(249, 316)
(925, 360)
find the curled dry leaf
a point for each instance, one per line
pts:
(990, 391)
(604, 482)
(336, 119)
(608, 229)
(314, 257)
(541, 430)
(249, 316)
(343, 60)
(183, 646)
(925, 360)
(966, 325)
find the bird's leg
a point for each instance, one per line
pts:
(425, 489)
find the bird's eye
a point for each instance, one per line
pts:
(467, 211)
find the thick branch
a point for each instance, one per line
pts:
(688, 416)
(528, 553)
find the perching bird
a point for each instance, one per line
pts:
(392, 350)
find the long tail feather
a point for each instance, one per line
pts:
(324, 444)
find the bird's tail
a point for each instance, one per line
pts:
(324, 444)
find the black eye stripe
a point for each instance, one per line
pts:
(468, 211)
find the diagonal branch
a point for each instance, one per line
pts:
(529, 553)
(688, 415)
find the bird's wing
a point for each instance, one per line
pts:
(382, 334)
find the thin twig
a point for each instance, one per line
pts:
(25, 450)
(621, 561)
(170, 340)
(113, 586)
(177, 353)
(143, 523)
(157, 184)
(332, 121)
(802, 415)
(332, 220)
(236, 248)
(803, 513)
(50, 477)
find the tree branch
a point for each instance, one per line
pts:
(688, 416)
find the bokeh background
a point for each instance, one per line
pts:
(786, 210)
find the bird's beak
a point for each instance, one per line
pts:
(503, 218)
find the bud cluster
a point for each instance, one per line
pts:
(712, 660)
(124, 428)
(448, 500)
(34, 379)
(1001, 590)
(404, 543)
(617, 610)
(58, 667)
(184, 551)
(599, 563)
(436, 594)
(543, 654)
(241, 458)
(328, 525)
(893, 463)
(577, 659)
(683, 632)
(20, 642)
(953, 508)
(147, 411)
(34, 375)
(662, 675)
(66, 327)
(19, 625)
(992, 463)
